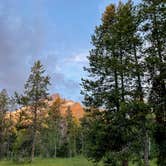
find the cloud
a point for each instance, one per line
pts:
(68, 88)
(19, 41)
(73, 65)
(80, 57)
(24, 38)
(67, 74)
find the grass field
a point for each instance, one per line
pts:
(77, 161)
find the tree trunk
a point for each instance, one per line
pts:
(1, 147)
(117, 90)
(34, 135)
(146, 149)
(33, 146)
(122, 77)
(82, 144)
(75, 148)
(55, 149)
(125, 163)
(139, 81)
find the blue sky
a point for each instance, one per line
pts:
(57, 32)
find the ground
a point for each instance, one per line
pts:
(77, 161)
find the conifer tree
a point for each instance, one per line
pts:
(71, 133)
(54, 124)
(153, 26)
(4, 108)
(115, 83)
(35, 94)
(108, 66)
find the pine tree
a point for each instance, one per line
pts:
(108, 66)
(4, 108)
(34, 98)
(54, 124)
(11, 130)
(115, 84)
(129, 30)
(71, 133)
(153, 26)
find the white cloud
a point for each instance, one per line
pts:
(78, 58)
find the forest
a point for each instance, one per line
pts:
(124, 99)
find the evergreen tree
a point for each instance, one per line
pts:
(128, 27)
(108, 67)
(4, 108)
(115, 83)
(71, 133)
(35, 94)
(54, 124)
(94, 129)
(11, 129)
(153, 25)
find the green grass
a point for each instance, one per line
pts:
(77, 161)
(152, 163)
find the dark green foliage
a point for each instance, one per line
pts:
(154, 21)
(4, 108)
(129, 50)
(50, 140)
(71, 133)
(35, 94)
(94, 130)
(22, 146)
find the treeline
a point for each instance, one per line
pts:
(125, 92)
(38, 127)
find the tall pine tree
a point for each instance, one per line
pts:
(4, 108)
(34, 98)
(153, 26)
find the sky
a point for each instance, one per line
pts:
(57, 32)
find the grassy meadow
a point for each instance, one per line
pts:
(77, 161)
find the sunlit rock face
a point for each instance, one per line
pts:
(25, 115)
(75, 107)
